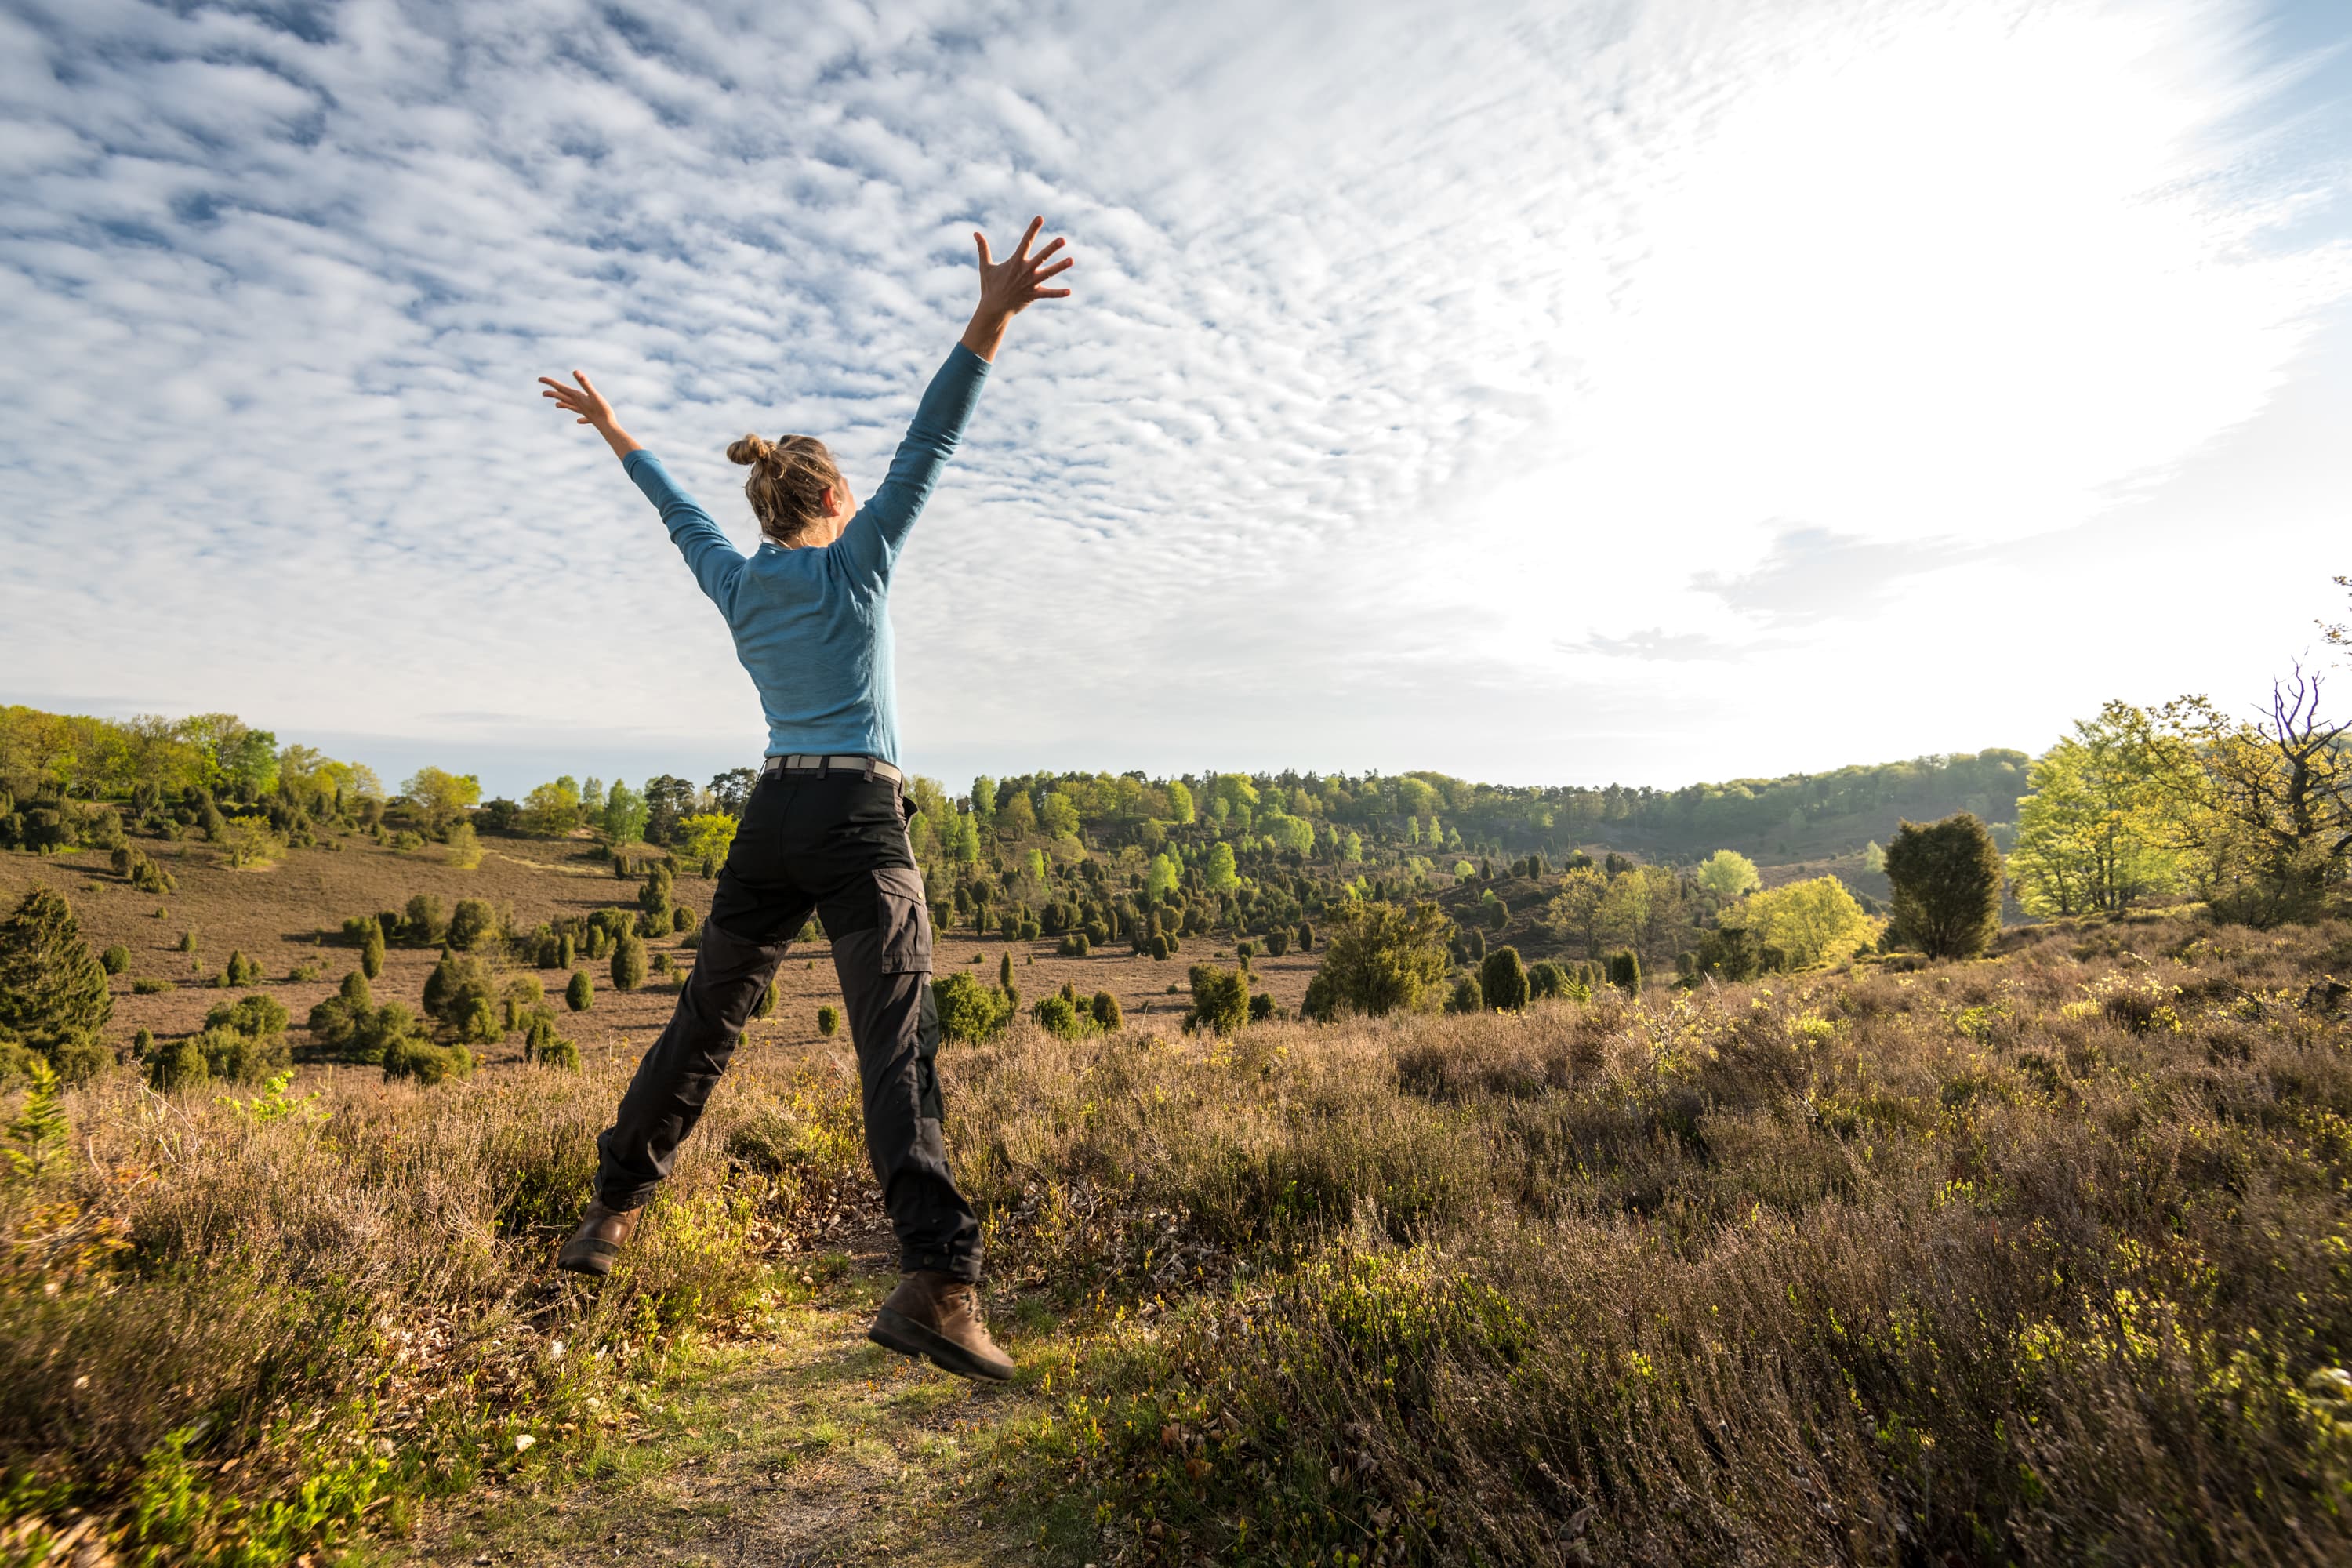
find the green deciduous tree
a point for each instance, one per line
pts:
(441, 797)
(2094, 834)
(1947, 879)
(1728, 875)
(1811, 922)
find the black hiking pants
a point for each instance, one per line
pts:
(834, 844)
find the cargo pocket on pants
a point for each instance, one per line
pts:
(905, 923)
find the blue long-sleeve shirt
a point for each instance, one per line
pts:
(813, 627)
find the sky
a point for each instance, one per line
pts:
(1552, 393)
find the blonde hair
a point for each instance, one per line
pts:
(789, 479)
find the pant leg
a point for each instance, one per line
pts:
(756, 911)
(881, 933)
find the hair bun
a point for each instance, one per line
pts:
(751, 449)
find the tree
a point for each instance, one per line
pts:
(372, 951)
(1728, 874)
(708, 836)
(730, 792)
(1503, 981)
(2266, 806)
(1161, 879)
(53, 992)
(1378, 958)
(441, 797)
(552, 809)
(2093, 834)
(1573, 915)
(1016, 819)
(654, 894)
(1219, 876)
(1947, 879)
(1179, 803)
(624, 816)
(1814, 921)
(668, 801)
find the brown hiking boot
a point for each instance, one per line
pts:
(937, 1315)
(603, 1233)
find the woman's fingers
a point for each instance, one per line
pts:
(1049, 249)
(1061, 266)
(982, 240)
(1021, 252)
(1052, 294)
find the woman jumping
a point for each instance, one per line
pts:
(825, 829)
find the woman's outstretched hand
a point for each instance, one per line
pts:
(1011, 286)
(589, 403)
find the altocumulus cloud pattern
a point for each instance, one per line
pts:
(1397, 338)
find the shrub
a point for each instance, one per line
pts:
(765, 1007)
(423, 922)
(629, 962)
(150, 877)
(240, 971)
(479, 1024)
(1219, 998)
(566, 952)
(1277, 941)
(681, 918)
(472, 923)
(1625, 971)
(1466, 997)
(148, 985)
(580, 994)
(188, 940)
(1381, 958)
(422, 1062)
(559, 1052)
(455, 987)
(115, 959)
(53, 988)
(1305, 937)
(1158, 946)
(1946, 878)
(258, 1016)
(1262, 1008)
(654, 896)
(969, 1012)
(1004, 972)
(1546, 979)
(1056, 1017)
(1105, 1008)
(465, 846)
(176, 1064)
(828, 1021)
(1503, 981)
(1074, 945)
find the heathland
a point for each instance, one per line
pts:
(1374, 1169)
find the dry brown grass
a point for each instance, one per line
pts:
(2034, 1260)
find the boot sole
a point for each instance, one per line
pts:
(894, 1330)
(599, 1264)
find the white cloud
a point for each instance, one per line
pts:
(1430, 380)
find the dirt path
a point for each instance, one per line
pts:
(808, 1446)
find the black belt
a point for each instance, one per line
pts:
(807, 763)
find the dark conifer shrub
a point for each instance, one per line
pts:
(1946, 878)
(1106, 1011)
(579, 994)
(828, 1020)
(629, 962)
(1466, 997)
(115, 959)
(53, 992)
(1503, 981)
(472, 923)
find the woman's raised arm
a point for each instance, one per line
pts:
(589, 403)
